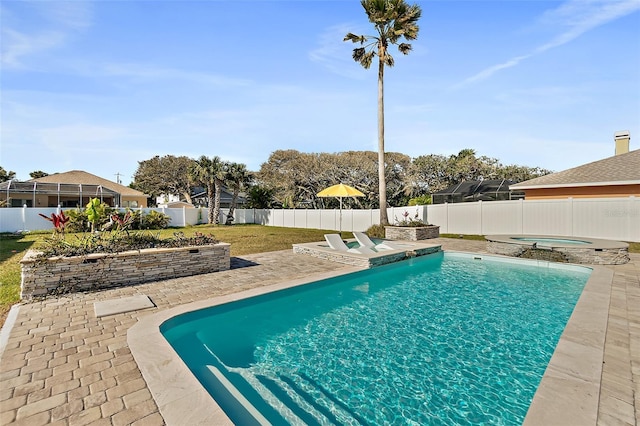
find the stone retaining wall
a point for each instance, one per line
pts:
(408, 233)
(60, 275)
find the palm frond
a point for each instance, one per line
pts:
(355, 38)
(405, 48)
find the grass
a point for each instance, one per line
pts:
(464, 237)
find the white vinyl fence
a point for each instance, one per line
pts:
(610, 218)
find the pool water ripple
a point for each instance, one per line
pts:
(453, 342)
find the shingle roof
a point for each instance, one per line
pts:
(623, 169)
(82, 177)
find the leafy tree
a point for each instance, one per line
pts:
(164, 175)
(237, 178)
(38, 174)
(210, 172)
(393, 20)
(5, 176)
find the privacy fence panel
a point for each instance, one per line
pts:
(501, 217)
(617, 219)
(612, 218)
(547, 217)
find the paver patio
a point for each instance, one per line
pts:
(62, 365)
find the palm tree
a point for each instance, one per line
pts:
(210, 172)
(393, 20)
(237, 178)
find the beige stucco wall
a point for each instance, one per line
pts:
(134, 201)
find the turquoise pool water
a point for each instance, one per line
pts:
(443, 339)
(552, 241)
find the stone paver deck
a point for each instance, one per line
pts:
(62, 365)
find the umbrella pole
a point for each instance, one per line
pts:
(340, 216)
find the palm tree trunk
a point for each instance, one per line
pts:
(232, 207)
(210, 195)
(382, 183)
(216, 208)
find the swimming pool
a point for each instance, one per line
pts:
(360, 348)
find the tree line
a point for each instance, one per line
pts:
(294, 178)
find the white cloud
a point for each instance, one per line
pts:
(574, 17)
(335, 54)
(145, 72)
(25, 35)
(17, 45)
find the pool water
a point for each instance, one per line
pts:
(553, 241)
(442, 339)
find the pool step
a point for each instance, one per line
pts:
(298, 399)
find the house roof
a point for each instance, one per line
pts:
(622, 169)
(84, 178)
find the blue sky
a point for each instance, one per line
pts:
(99, 86)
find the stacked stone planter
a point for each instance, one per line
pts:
(59, 275)
(409, 233)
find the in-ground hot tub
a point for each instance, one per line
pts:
(592, 251)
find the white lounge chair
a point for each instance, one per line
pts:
(364, 241)
(335, 242)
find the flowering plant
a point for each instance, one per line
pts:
(59, 221)
(413, 222)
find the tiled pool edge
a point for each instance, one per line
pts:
(180, 397)
(568, 393)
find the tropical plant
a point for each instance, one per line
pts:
(412, 222)
(393, 20)
(59, 222)
(237, 178)
(98, 213)
(210, 172)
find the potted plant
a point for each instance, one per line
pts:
(411, 229)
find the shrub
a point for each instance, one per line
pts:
(375, 231)
(154, 220)
(78, 221)
(421, 200)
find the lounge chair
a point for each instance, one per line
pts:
(364, 241)
(336, 243)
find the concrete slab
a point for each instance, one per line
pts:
(122, 305)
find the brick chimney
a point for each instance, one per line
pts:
(622, 139)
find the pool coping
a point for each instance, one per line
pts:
(568, 393)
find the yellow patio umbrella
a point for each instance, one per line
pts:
(340, 191)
